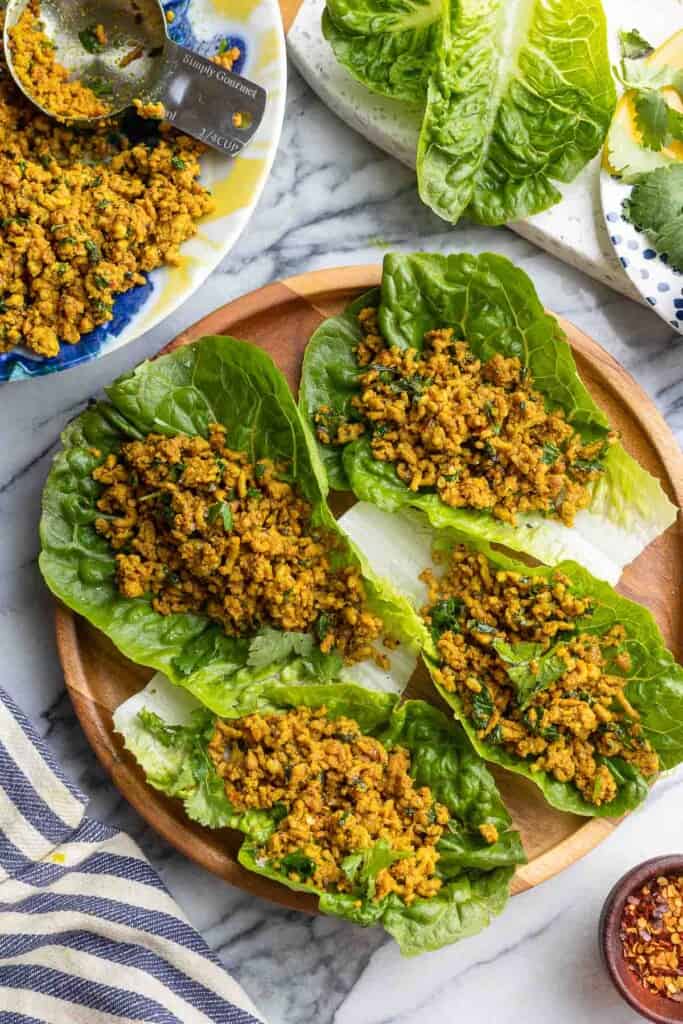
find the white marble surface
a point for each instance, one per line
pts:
(334, 199)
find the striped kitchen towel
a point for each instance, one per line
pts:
(88, 932)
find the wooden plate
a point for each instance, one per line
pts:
(280, 319)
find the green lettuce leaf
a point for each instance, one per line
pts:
(215, 379)
(390, 46)
(329, 376)
(656, 207)
(655, 687)
(493, 305)
(515, 105)
(169, 741)
(518, 93)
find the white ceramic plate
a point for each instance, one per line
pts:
(255, 26)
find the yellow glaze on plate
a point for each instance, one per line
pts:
(235, 184)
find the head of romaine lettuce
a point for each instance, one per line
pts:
(169, 740)
(216, 379)
(493, 306)
(655, 679)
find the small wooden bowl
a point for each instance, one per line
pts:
(656, 1008)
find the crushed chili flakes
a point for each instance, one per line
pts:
(652, 935)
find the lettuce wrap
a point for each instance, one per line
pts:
(233, 383)
(493, 306)
(168, 733)
(655, 679)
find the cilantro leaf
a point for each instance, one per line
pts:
(156, 727)
(674, 125)
(640, 74)
(652, 118)
(656, 207)
(273, 646)
(222, 509)
(632, 44)
(445, 616)
(298, 862)
(658, 123)
(482, 708)
(323, 667)
(519, 660)
(89, 39)
(362, 868)
(551, 453)
(93, 250)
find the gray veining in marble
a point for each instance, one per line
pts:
(334, 199)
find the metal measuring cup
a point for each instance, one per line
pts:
(200, 98)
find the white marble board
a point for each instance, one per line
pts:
(573, 230)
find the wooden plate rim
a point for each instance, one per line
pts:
(315, 287)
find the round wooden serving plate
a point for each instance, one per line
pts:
(280, 318)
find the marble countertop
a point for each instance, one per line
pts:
(333, 199)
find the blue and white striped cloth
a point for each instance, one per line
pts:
(88, 932)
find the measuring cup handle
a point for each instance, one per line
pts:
(207, 101)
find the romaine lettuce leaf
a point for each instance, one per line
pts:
(215, 379)
(655, 687)
(518, 93)
(390, 46)
(493, 305)
(169, 742)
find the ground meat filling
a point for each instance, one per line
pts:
(477, 433)
(202, 529)
(340, 793)
(44, 78)
(571, 726)
(85, 216)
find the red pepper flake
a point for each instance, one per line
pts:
(651, 936)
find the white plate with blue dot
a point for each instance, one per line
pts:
(659, 283)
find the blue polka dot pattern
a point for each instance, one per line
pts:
(648, 269)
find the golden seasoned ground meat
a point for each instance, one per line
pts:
(580, 717)
(44, 78)
(340, 791)
(85, 215)
(477, 433)
(201, 528)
